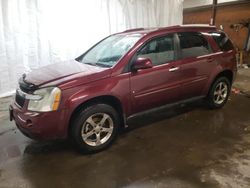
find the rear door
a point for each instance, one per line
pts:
(197, 61)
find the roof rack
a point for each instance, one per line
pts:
(154, 29)
(198, 25)
(135, 29)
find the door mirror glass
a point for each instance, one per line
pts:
(142, 63)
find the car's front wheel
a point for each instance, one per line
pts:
(95, 128)
(219, 93)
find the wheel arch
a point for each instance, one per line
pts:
(225, 73)
(105, 99)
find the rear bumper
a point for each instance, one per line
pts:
(39, 125)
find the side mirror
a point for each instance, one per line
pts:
(142, 63)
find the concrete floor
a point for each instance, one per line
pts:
(188, 146)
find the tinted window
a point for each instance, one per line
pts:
(160, 50)
(193, 45)
(222, 41)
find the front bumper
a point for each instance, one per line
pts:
(39, 125)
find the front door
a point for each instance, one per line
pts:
(158, 85)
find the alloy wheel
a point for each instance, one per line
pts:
(220, 93)
(97, 129)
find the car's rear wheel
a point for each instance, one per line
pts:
(95, 128)
(219, 93)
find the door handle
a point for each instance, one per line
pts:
(173, 69)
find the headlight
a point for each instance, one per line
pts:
(47, 99)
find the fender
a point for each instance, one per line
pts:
(117, 87)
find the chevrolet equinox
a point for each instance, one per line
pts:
(88, 99)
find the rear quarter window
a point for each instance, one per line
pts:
(222, 40)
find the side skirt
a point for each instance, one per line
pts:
(164, 107)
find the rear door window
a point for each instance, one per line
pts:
(223, 42)
(193, 44)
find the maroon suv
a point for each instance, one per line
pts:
(88, 99)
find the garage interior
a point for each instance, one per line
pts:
(184, 146)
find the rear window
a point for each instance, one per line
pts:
(222, 41)
(193, 44)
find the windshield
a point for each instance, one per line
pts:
(110, 50)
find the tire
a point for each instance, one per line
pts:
(95, 128)
(219, 93)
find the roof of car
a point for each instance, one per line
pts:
(153, 29)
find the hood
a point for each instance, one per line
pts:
(61, 73)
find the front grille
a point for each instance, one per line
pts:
(20, 100)
(25, 87)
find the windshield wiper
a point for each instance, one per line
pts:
(93, 64)
(103, 65)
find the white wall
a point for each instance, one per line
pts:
(34, 33)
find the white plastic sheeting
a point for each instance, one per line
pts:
(34, 33)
